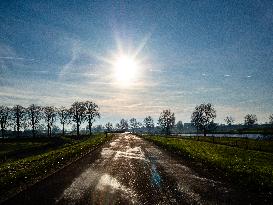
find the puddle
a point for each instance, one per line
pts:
(103, 183)
(109, 184)
(107, 181)
(155, 176)
(79, 186)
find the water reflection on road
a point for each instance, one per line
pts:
(155, 176)
(133, 171)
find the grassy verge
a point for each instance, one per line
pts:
(249, 168)
(16, 174)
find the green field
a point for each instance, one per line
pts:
(249, 130)
(16, 174)
(245, 143)
(250, 168)
(13, 149)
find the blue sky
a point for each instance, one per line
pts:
(190, 52)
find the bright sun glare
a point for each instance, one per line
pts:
(125, 70)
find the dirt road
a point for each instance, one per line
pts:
(127, 170)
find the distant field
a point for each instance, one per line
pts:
(256, 130)
(246, 167)
(13, 149)
(15, 174)
(245, 143)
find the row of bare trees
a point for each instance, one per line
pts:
(202, 118)
(20, 117)
(166, 121)
(133, 124)
(204, 115)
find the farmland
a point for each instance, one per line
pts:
(13, 149)
(244, 143)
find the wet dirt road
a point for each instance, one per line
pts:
(127, 170)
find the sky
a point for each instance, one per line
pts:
(186, 52)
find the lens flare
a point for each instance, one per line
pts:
(125, 70)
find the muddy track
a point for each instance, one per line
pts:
(129, 170)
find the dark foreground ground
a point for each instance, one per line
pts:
(130, 170)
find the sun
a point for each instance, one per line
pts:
(125, 70)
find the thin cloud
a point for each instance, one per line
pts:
(16, 58)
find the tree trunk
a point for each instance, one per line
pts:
(2, 132)
(78, 130)
(33, 131)
(90, 126)
(63, 129)
(33, 126)
(48, 134)
(18, 127)
(205, 134)
(168, 131)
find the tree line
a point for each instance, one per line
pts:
(202, 118)
(19, 117)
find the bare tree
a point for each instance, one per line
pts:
(203, 117)
(139, 125)
(117, 127)
(250, 119)
(4, 117)
(123, 125)
(50, 117)
(64, 117)
(34, 114)
(271, 119)
(109, 126)
(18, 116)
(148, 123)
(229, 120)
(77, 112)
(74, 127)
(98, 128)
(179, 126)
(166, 121)
(91, 113)
(134, 124)
(55, 129)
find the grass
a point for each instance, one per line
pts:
(9, 147)
(248, 130)
(245, 143)
(250, 168)
(14, 175)
(266, 130)
(13, 149)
